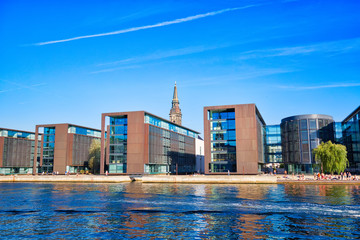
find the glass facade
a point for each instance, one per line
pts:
(351, 139)
(223, 140)
(118, 144)
(273, 149)
(170, 152)
(150, 119)
(300, 135)
(16, 134)
(338, 132)
(48, 150)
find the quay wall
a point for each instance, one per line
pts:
(64, 178)
(224, 179)
(189, 179)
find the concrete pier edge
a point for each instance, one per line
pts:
(178, 179)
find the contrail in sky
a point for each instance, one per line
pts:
(134, 29)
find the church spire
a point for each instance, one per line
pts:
(175, 96)
(175, 111)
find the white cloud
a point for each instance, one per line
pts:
(165, 54)
(161, 24)
(341, 85)
(21, 86)
(333, 47)
(245, 75)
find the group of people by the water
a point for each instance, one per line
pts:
(342, 176)
(53, 173)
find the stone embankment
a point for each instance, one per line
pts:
(220, 179)
(223, 179)
(189, 179)
(65, 178)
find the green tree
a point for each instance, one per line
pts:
(332, 157)
(94, 156)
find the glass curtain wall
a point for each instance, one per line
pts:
(299, 137)
(273, 150)
(118, 144)
(338, 132)
(223, 140)
(351, 139)
(152, 120)
(16, 134)
(48, 150)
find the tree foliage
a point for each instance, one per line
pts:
(94, 156)
(333, 157)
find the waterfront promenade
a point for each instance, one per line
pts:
(189, 179)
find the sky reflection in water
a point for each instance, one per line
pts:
(179, 211)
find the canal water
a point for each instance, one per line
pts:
(178, 211)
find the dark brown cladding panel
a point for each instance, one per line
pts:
(136, 142)
(60, 149)
(146, 149)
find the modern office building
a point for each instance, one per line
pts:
(300, 135)
(234, 139)
(17, 151)
(142, 143)
(64, 147)
(273, 149)
(351, 139)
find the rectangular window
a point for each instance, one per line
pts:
(313, 134)
(305, 146)
(304, 135)
(312, 123)
(231, 135)
(223, 115)
(231, 115)
(215, 115)
(303, 124)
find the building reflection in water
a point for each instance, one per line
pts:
(145, 211)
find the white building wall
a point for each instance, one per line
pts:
(199, 146)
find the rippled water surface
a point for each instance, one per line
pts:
(179, 211)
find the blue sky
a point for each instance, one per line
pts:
(70, 61)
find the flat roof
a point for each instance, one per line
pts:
(218, 107)
(351, 114)
(70, 124)
(16, 130)
(306, 116)
(145, 112)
